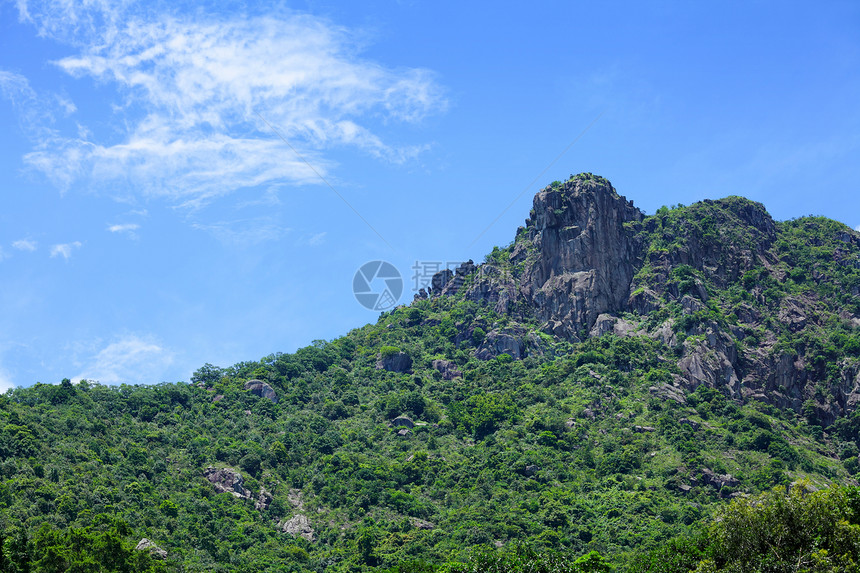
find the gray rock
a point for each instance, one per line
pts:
(404, 421)
(718, 480)
(295, 498)
(261, 389)
(422, 524)
(792, 313)
(227, 480)
(586, 257)
(448, 369)
(643, 429)
(711, 362)
(153, 549)
(691, 305)
(532, 469)
(604, 324)
(264, 499)
(299, 526)
(496, 343)
(667, 391)
(400, 362)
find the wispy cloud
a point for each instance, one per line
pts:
(15, 87)
(3, 254)
(126, 228)
(25, 245)
(35, 112)
(244, 232)
(129, 359)
(317, 239)
(192, 88)
(5, 382)
(64, 250)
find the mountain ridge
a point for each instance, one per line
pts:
(606, 382)
(591, 256)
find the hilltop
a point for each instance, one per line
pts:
(601, 383)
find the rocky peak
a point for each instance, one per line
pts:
(579, 256)
(748, 212)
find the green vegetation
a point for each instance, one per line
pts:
(579, 457)
(779, 531)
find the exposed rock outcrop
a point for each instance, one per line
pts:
(264, 500)
(711, 361)
(404, 421)
(298, 526)
(496, 343)
(261, 389)
(398, 362)
(706, 280)
(227, 480)
(447, 369)
(153, 549)
(579, 258)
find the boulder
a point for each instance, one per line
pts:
(264, 499)
(399, 362)
(718, 480)
(667, 391)
(261, 389)
(227, 480)
(496, 343)
(605, 323)
(711, 361)
(448, 369)
(299, 526)
(153, 549)
(294, 496)
(404, 421)
(643, 429)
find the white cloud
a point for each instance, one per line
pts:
(244, 232)
(130, 359)
(193, 88)
(25, 245)
(127, 228)
(857, 228)
(66, 105)
(65, 249)
(3, 254)
(5, 382)
(15, 87)
(317, 239)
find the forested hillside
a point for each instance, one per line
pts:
(607, 382)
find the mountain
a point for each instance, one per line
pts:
(604, 383)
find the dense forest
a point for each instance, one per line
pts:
(688, 404)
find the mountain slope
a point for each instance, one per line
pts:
(600, 384)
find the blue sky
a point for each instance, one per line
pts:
(152, 219)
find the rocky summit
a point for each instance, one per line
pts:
(587, 262)
(613, 390)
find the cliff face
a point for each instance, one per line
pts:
(748, 304)
(579, 257)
